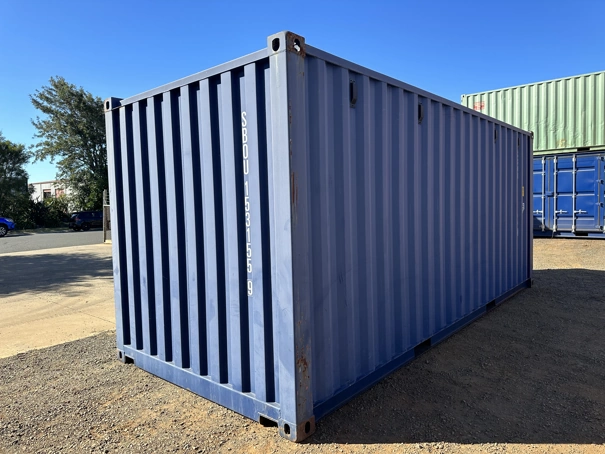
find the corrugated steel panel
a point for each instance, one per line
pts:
(569, 195)
(565, 114)
(290, 228)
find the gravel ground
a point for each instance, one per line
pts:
(528, 377)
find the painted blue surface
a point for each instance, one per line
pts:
(8, 222)
(322, 225)
(569, 194)
(359, 386)
(391, 219)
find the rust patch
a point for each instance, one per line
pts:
(304, 379)
(302, 364)
(293, 189)
(296, 44)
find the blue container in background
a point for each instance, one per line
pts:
(290, 227)
(569, 195)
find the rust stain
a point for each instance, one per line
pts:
(293, 189)
(296, 44)
(302, 363)
(289, 113)
(303, 369)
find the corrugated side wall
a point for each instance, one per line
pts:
(289, 227)
(190, 212)
(564, 114)
(415, 214)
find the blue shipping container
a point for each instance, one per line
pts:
(290, 227)
(569, 194)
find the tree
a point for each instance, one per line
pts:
(14, 192)
(73, 133)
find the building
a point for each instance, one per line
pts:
(46, 189)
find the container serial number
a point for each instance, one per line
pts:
(246, 163)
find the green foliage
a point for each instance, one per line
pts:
(73, 133)
(51, 212)
(25, 216)
(55, 211)
(14, 193)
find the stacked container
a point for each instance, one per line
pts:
(567, 117)
(290, 227)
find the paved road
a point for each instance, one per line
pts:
(19, 242)
(53, 296)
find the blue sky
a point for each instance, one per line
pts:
(448, 47)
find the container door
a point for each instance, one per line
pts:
(550, 200)
(589, 193)
(539, 194)
(578, 193)
(600, 197)
(564, 173)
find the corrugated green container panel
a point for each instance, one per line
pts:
(565, 114)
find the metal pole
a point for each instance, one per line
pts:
(555, 173)
(543, 198)
(573, 195)
(105, 211)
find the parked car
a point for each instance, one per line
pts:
(72, 221)
(6, 225)
(84, 220)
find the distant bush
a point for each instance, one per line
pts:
(22, 215)
(56, 213)
(51, 212)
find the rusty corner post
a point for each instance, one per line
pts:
(287, 60)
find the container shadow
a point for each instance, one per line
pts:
(531, 371)
(50, 272)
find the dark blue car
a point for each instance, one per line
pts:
(84, 220)
(6, 225)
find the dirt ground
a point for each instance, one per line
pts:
(529, 377)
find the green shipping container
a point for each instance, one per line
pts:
(565, 114)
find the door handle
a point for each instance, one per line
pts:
(560, 211)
